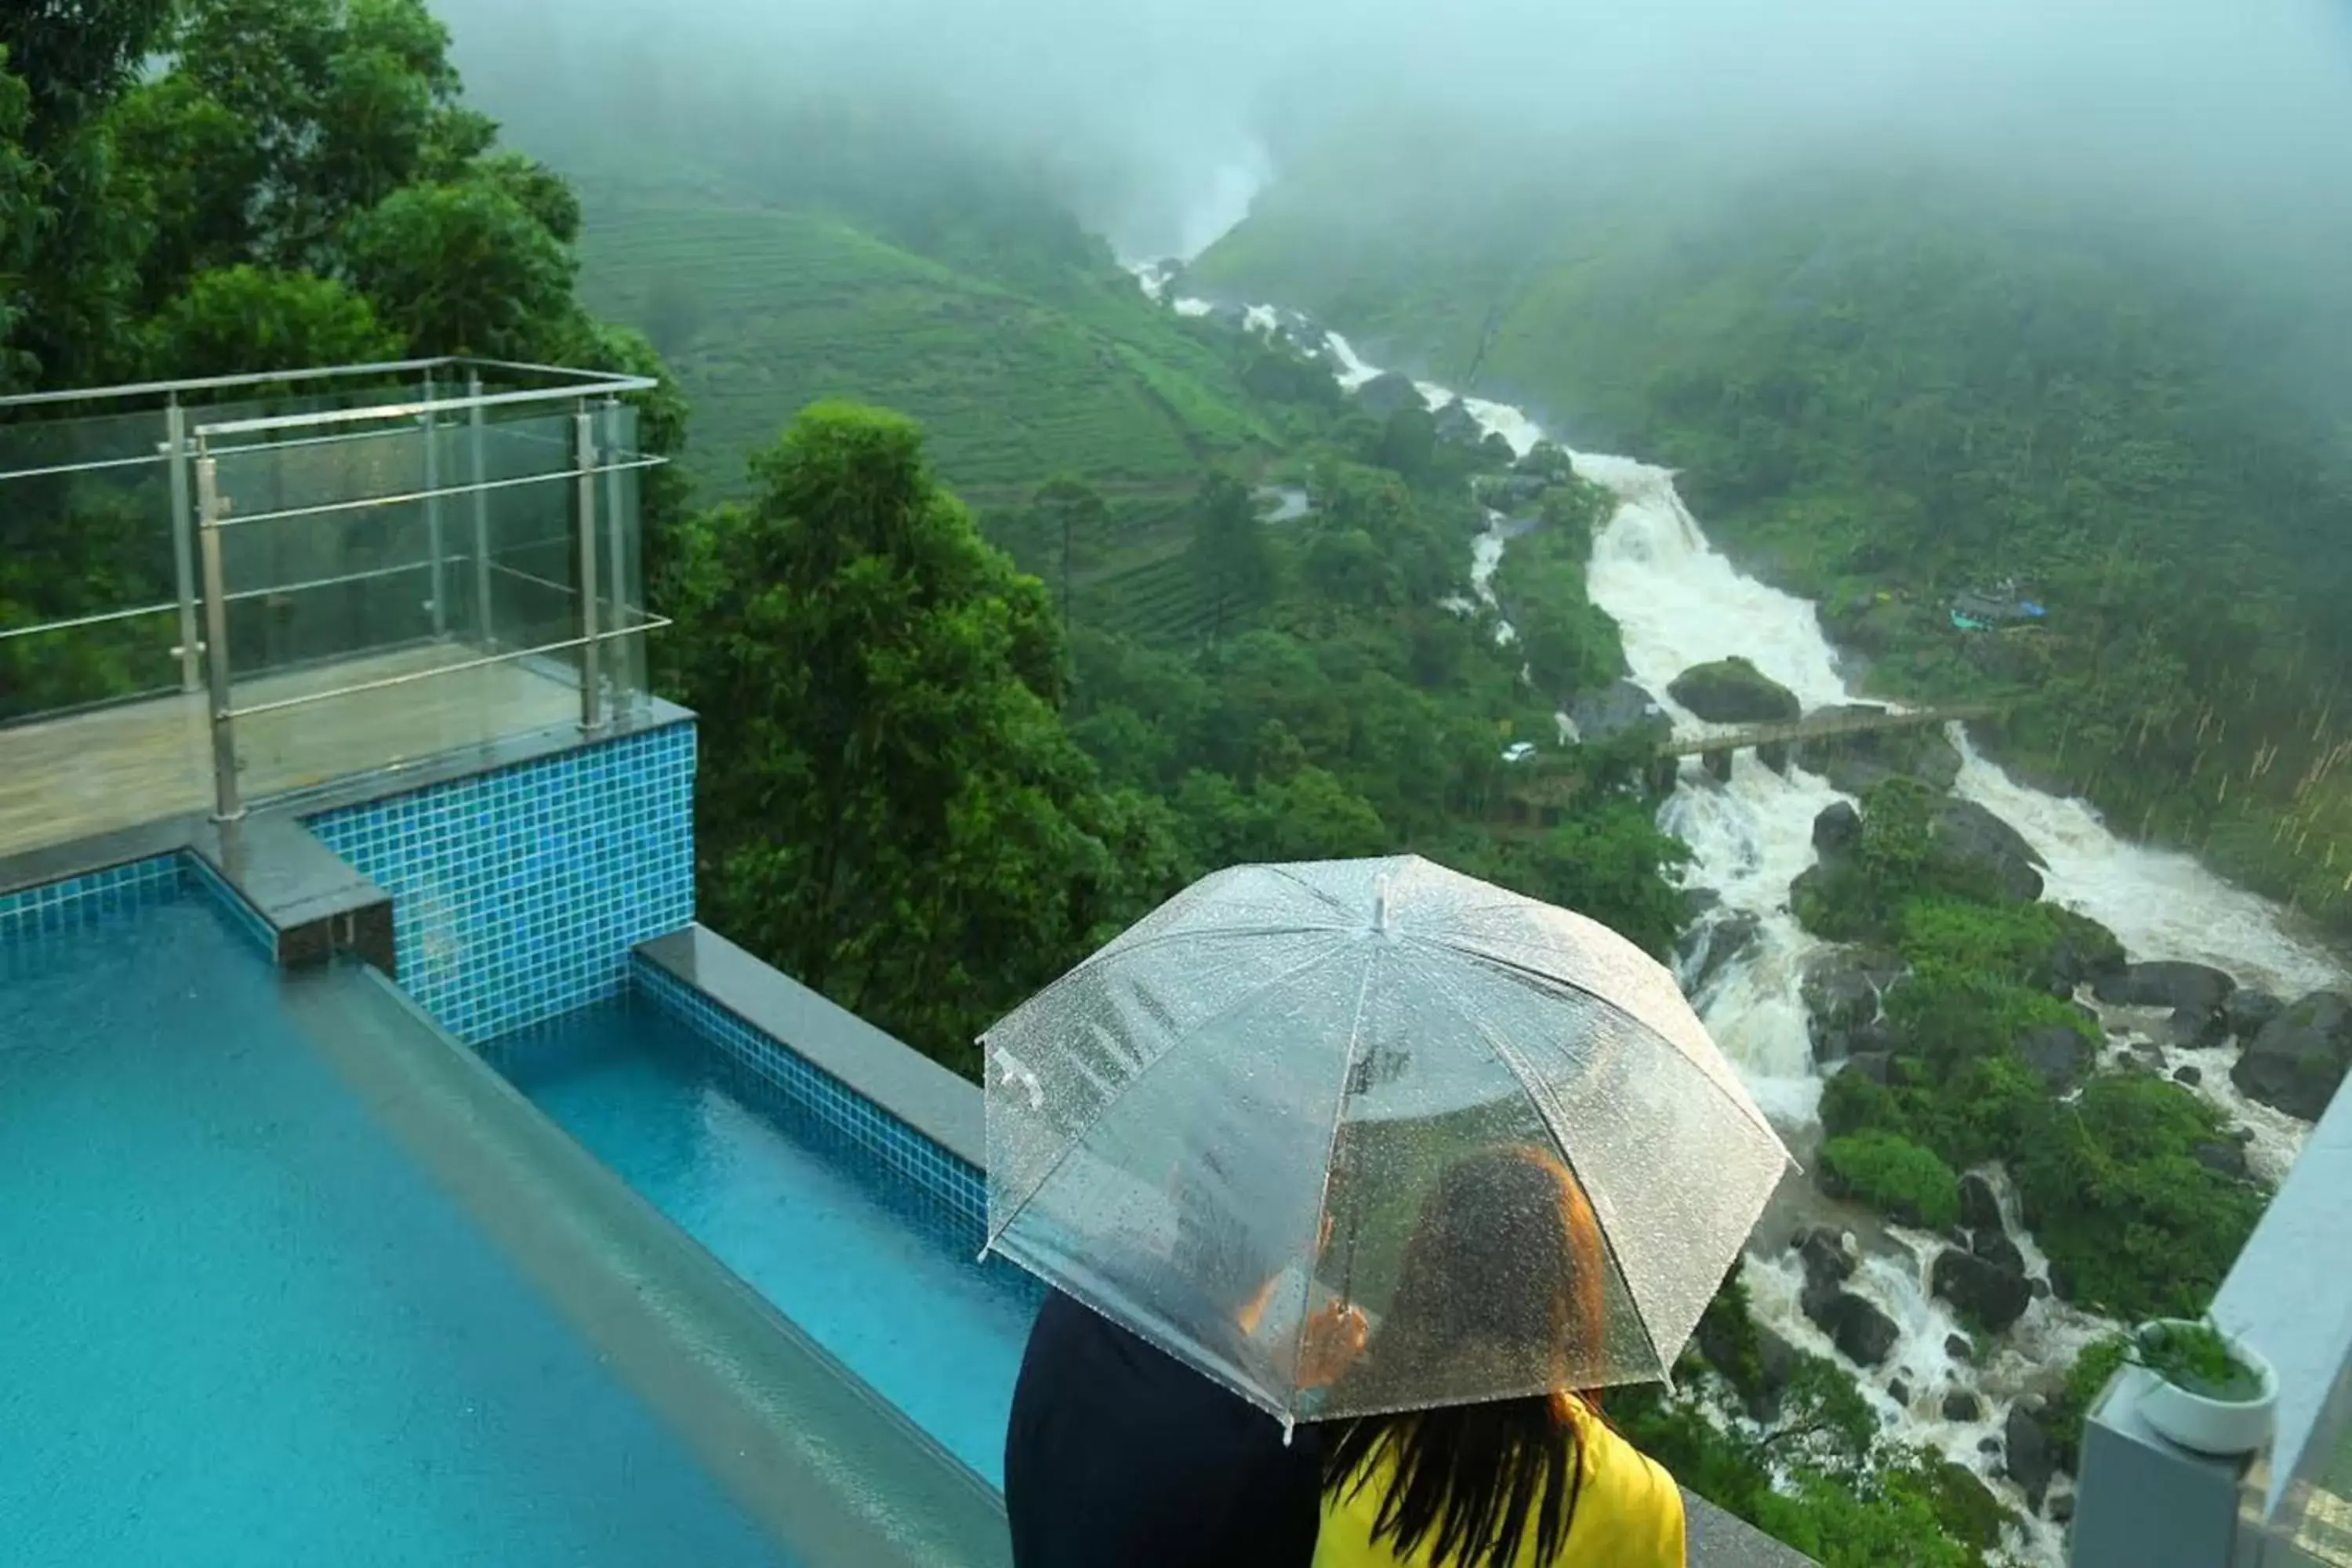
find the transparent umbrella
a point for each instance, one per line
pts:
(1379, 1093)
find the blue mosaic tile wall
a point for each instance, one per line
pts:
(954, 1182)
(517, 895)
(77, 901)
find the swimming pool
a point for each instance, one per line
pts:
(878, 1274)
(292, 1277)
(240, 1326)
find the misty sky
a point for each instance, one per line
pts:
(1198, 100)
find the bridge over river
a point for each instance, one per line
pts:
(1542, 787)
(1859, 720)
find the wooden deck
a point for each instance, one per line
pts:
(67, 778)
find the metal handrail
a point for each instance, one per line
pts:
(222, 383)
(648, 624)
(37, 627)
(584, 382)
(608, 387)
(409, 497)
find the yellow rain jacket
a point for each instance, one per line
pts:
(1628, 1514)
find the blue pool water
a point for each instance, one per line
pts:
(880, 1277)
(240, 1327)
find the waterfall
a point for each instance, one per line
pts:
(1680, 602)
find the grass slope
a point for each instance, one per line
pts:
(763, 309)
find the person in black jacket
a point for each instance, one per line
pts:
(1119, 1456)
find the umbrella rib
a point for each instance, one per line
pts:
(1553, 1115)
(1107, 1106)
(1513, 967)
(1330, 1150)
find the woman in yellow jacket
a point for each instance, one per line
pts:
(1530, 1482)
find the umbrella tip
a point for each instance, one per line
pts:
(1381, 904)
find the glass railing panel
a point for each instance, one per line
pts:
(89, 586)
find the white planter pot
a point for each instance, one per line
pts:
(2223, 1428)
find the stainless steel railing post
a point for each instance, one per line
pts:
(592, 693)
(433, 511)
(212, 507)
(184, 542)
(479, 477)
(616, 585)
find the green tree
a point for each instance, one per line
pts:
(1074, 521)
(891, 808)
(242, 319)
(463, 269)
(1229, 550)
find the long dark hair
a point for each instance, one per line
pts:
(1469, 1478)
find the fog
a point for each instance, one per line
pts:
(1167, 115)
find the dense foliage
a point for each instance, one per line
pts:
(1815, 1472)
(1887, 385)
(2110, 1177)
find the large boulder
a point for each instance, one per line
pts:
(2249, 1012)
(2060, 1057)
(1733, 692)
(2086, 951)
(2296, 1062)
(1845, 990)
(2027, 1455)
(1858, 762)
(2167, 984)
(1827, 1263)
(1959, 1404)
(1458, 424)
(1980, 1205)
(1712, 945)
(1616, 707)
(1862, 1332)
(2221, 1159)
(1987, 1292)
(1837, 831)
(1971, 835)
(1387, 394)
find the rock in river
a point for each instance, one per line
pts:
(2026, 1454)
(2197, 995)
(1987, 1291)
(1837, 830)
(1713, 944)
(1865, 1335)
(2296, 1062)
(1617, 707)
(1844, 992)
(1972, 835)
(1389, 393)
(2056, 1054)
(1979, 1207)
(2248, 1012)
(1857, 764)
(1733, 692)
(1961, 1406)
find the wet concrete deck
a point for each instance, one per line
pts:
(114, 768)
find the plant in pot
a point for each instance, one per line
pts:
(2213, 1393)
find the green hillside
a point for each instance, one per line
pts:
(763, 310)
(1885, 386)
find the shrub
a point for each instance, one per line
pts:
(1897, 1176)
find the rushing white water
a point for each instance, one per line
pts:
(1681, 602)
(2161, 904)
